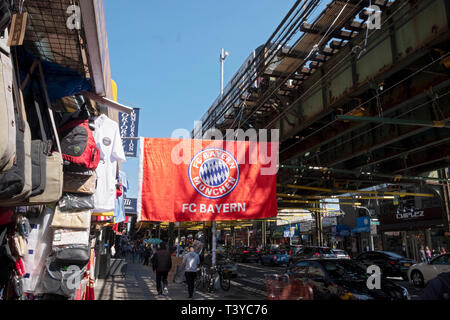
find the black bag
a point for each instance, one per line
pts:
(73, 255)
(76, 202)
(12, 181)
(5, 14)
(40, 149)
(17, 285)
(60, 282)
(15, 183)
(7, 261)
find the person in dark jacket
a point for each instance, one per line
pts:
(162, 263)
(437, 288)
(147, 255)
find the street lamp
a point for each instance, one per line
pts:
(223, 55)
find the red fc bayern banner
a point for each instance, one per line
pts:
(206, 180)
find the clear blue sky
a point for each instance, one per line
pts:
(165, 56)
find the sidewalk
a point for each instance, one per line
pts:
(139, 284)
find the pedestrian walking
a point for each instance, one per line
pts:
(135, 249)
(191, 261)
(141, 253)
(162, 263)
(443, 251)
(147, 254)
(428, 253)
(423, 257)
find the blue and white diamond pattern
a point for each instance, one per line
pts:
(214, 172)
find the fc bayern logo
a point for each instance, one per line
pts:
(214, 173)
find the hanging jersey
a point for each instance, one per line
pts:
(107, 136)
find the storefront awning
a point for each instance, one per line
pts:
(108, 103)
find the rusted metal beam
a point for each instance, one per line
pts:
(420, 123)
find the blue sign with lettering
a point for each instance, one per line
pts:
(130, 205)
(129, 126)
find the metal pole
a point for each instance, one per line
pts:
(214, 225)
(290, 235)
(222, 59)
(263, 226)
(178, 239)
(407, 122)
(214, 240)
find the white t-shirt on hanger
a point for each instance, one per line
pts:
(107, 136)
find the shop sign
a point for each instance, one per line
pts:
(408, 214)
(129, 126)
(373, 230)
(130, 205)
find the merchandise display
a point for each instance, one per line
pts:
(108, 139)
(60, 154)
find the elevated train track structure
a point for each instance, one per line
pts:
(356, 107)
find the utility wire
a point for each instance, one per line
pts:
(319, 81)
(396, 84)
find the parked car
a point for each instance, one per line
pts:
(390, 263)
(313, 252)
(275, 257)
(333, 278)
(247, 254)
(419, 274)
(341, 254)
(294, 249)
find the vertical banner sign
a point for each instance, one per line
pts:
(129, 126)
(130, 205)
(206, 180)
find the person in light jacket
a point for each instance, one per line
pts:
(191, 260)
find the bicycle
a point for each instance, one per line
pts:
(224, 278)
(208, 276)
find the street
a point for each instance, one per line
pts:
(251, 279)
(139, 284)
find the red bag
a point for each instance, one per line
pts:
(6, 215)
(79, 149)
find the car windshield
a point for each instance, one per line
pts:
(325, 251)
(345, 270)
(392, 255)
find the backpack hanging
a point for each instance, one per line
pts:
(79, 149)
(54, 162)
(7, 115)
(39, 151)
(15, 183)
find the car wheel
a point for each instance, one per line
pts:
(417, 278)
